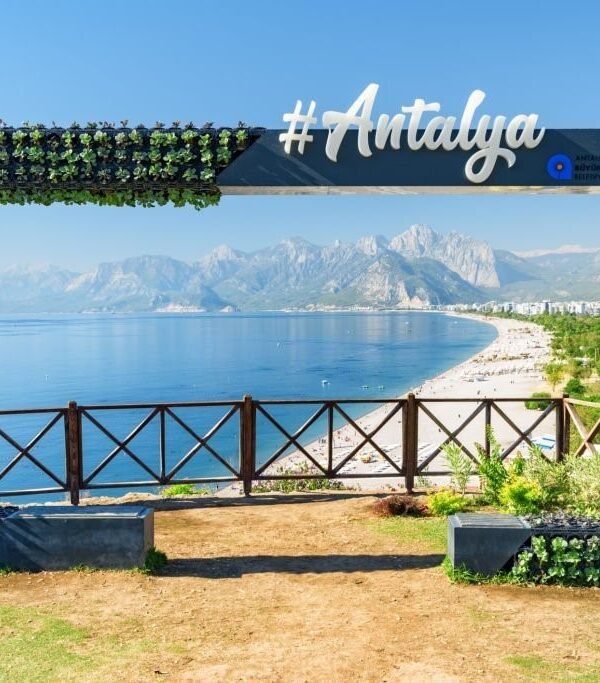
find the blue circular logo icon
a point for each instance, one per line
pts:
(560, 167)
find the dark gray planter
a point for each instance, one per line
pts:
(485, 543)
(60, 537)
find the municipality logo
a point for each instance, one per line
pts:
(560, 167)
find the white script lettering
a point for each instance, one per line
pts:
(484, 136)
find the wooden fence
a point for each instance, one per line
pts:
(72, 463)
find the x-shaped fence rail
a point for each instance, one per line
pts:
(587, 435)
(163, 474)
(68, 465)
(488, 407)
(24, 452)
(330, 408)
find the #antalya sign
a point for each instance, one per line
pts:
(491, 139)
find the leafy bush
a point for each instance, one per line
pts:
(400, 504)
(554, 373)
(534, 483)
(558, 561)
(155, 561)
(491, 470)
(538, 405)
(184, 490)
(577, 368)
(461, 466)
(520, 496)
(584, 483)
(552, 478)
(446, 503)
(289, 485)
(574, 387)
(517, 466)
(297, 485)
(573, 562)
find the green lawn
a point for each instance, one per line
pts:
(536, 668)
(427, 534)
(36, 646)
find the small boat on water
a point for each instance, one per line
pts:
(364, 386)
(324, 382)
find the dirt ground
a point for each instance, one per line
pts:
(306, 589)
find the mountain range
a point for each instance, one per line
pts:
(417, 267)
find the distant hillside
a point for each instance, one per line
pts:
(417, 267)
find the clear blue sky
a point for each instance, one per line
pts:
(224, 61)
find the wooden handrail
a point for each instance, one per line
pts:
(409, 410)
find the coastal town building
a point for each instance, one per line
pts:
(527, 307)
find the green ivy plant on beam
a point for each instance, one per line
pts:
(117, 166)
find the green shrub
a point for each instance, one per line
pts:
(538, 405)
(520, 496)
(516, 468)
(446, 503)
(302, 484)
(297, 485)
(584, 483)
(554, 372)
(573, 562)
(558, 561)
(491, 470)
(461, 466)
(552, 478)
(184, 490)
(574, 387)
(155, 561)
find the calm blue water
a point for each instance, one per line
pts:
(49, 360)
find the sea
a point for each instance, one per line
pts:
(101, 360)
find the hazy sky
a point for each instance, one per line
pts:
(224, 61)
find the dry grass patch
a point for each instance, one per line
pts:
(307, 588)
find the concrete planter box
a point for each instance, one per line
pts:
(483, 543)
(61, 537)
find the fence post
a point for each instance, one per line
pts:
(329, 439)
(248, 443)
(559, 436)
(565, 444)
(488, 425)
(73, 452)
(410, 442)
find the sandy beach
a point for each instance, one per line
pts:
(511, 366)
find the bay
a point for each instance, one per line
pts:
(166, 358)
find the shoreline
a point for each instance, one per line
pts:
(508, 367)
(516, 341)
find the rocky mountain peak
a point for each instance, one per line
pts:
(472, 259)
(419, 266)
(223, 252)
(415, 242)
(372, 245)
(296, 249)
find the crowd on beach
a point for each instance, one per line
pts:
(511, 366)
